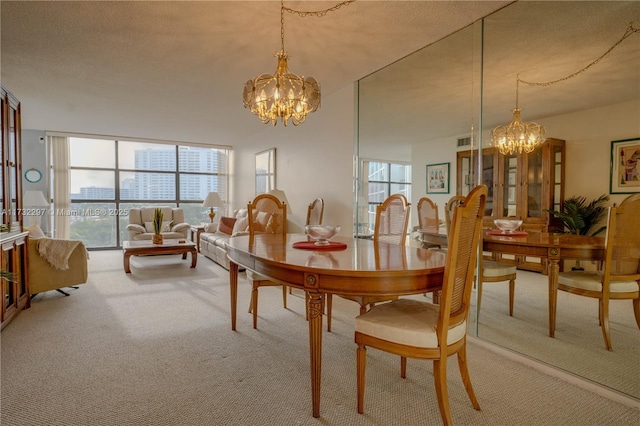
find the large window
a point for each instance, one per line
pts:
(108, 177)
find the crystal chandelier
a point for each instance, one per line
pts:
(521, 137)
(518, 136)
(284, 96)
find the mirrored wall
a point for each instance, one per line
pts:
(426, 108)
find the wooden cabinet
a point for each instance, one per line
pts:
(13, 242)
(521, 186)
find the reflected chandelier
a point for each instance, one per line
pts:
(521, 137)
(284, 95)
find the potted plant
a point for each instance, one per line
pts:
(580, 217)
(157, 226)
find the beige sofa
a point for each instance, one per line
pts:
(215, 236)
(44, 277)
(140, 223)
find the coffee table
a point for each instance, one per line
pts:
(146, 247)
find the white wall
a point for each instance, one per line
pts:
(314, 159)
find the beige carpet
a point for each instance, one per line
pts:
(578, 346)
(155, 348)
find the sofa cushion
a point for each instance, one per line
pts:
(241, 225)
(225, 225)
(272, 225)
(261, 220)
(166, 226)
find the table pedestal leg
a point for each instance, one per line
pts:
(233, 287)
(554, 270)
(315, 348)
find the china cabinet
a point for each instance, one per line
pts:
(521, 186)
(13, 242)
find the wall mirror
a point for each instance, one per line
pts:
(420, 108)
(33, 175)
(265, 171)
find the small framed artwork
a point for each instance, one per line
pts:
(265, 171)
(438, 178)
(625, 166)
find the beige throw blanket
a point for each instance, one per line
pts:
(56, 252)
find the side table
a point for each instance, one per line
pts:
(196, 230)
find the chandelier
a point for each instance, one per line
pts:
(519, 136)
(284, 95)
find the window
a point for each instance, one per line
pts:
(383, 179)
(108, 177)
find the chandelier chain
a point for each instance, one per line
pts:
(318, 13)
(630, 30)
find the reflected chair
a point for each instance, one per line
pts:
(415, 329)
(428, 220)
(392, 219)
(491, 271)
(620, 277)
(267, 215)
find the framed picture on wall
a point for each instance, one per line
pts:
(265, 171)
(438, 178)
(625, 166)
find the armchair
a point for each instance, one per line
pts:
(140, 225)
(44, 277)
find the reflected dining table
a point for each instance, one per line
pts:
(350, 266)
(549, 247)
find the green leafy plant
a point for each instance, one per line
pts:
(581, 217)
(4, 227)
(157, 221)
(8, 276)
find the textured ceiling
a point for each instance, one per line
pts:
(175, 70)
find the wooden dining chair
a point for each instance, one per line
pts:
(392, 219)
(428, 220)
(315, 211)
(491, 271)
(267, 215)
(620, 277)
(415, 329)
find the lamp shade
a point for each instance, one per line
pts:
(34, 199)
(213, 200)
(280, 195)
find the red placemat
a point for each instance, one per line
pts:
(508, 234)
(311, 245)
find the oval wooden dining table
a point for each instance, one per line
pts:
(361, 267)
(549, 247)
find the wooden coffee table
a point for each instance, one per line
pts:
(146, 247)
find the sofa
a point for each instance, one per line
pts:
(140, 225)
(44, 277)
(214, 238)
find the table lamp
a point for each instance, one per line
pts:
(280, 195)
(212, 200)
(34, 199)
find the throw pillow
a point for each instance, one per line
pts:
(272, 225)
(35, 232)
(225, 225)
(241, 225)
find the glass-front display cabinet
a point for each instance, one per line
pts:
(13, 242)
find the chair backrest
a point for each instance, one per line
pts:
(428, 215)
(392, 219)
(622, 254)
(462, 253)
(453, 202)
(315, 212)
(267, 215)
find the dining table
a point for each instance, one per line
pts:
(551, 248)
(347, 266)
